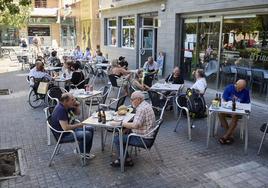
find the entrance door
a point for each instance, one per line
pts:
(147, 45)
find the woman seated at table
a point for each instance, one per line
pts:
(200, 83)
(118, 71)
(67, 69)
(175, 77)
(137, 82)
(77, 76)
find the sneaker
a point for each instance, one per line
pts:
(88, 155)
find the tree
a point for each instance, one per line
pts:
(14, 12)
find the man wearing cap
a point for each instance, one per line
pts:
(144, 122)
(122, 62)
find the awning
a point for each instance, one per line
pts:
(44, 12)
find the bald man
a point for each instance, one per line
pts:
(241, 94)
(38, 71)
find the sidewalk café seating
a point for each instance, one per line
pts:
(119, 102)
(241, 73)
(100, 99)
(80, 84)
(59, 138)
(226, 75)
(151, 136)
(264, 129)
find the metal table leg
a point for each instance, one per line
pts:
(84, 145)
(102, 143)
(209, 127)
(246, 135)
(122, 162)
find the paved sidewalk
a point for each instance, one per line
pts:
(186, 163)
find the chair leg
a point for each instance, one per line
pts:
(112, 142)
(149, 154)
(189, 126)
(58, 150)
(262, 140)
(118, 94)
(54, 152)
(177, 123)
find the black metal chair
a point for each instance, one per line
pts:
(151, 135)
(257, 78)
(113, 79)
(226, 75)
(241, 73)
(159, 101)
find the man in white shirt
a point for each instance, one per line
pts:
(200, 83)
(38, 71)
(150, 69)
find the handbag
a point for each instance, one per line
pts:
(42, 88)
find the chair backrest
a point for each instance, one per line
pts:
(105, 93)
(120, 102)
(226, 69)
(148, 80)
(55, 93)
(241, 71)
(155, 131)
(155, 98)
(257, 75)
(113, 79)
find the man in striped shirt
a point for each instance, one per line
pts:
(143, 123)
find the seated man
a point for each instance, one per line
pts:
(175, 77)
(61, 119)
(200, 83)
(78, 54)
(241, 94)
(54, 60)
(144, 121)
(150, 69)
(39, 71)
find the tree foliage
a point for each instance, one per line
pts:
(14, 12)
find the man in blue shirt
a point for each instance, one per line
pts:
(78, 54)
(239, 92)
(61, 121)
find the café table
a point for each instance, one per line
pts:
(242, 109)
(110, 116)
(82, 96)
(162, 87)
(61, 81)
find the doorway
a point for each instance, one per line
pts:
(147, 39)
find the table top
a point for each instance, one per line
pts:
(166, 87)
(61, 79)
(81, 94)
(226, 107)
(110, 115)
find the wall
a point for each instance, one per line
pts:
(168, 35)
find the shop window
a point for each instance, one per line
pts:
(111, 32)
(128, 32)
(40, 3)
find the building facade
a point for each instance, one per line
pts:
(222, 37)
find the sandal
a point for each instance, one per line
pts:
(226, 141)
(229, 140)
(115, 163)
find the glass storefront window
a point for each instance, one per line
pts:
(243, 53)
(9, 36)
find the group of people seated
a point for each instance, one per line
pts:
(70, 71)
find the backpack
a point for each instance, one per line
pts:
(196, 103)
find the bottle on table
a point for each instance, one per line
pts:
(99, 115)
(103, 117)
(220, 100)
(233, 104)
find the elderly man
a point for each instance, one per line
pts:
(175, 77)
(144, 121)
(39, 71)
(62, 119)
(150, 69)
(239, 92)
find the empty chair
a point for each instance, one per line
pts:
(54, 95)
(257, 78)
(226, 75)
(241, 73)
(159, 102)
(113, 80)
